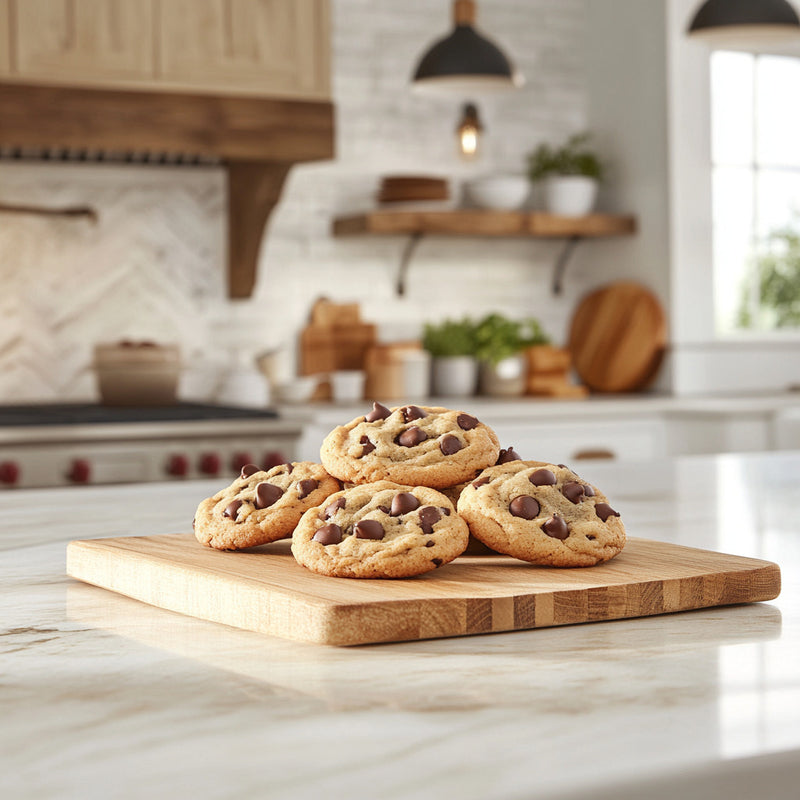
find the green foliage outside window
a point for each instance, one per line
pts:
(777, 285)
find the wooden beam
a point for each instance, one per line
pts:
(218, 126)
(254, 188)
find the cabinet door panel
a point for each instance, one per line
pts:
(5, 40)
(268, 47)
(85, 41)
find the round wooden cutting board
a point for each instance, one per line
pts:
(617, 337)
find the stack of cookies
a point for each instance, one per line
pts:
(400, 490)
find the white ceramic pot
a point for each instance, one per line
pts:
(570, 195)
(507, 378)
(454, 376)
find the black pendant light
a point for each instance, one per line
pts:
(745, 24)
(464, 61)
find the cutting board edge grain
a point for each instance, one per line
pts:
(420, 608)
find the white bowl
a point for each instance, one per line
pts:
(298, 390)
(499, 191)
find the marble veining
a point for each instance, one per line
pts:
(102, 696)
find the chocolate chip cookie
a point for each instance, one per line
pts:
(410, 445)
(380, 530)
(542, 513)
(506, 455)
(262, 506)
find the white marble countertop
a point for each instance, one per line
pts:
(102, 696)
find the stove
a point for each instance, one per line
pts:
(67, 444)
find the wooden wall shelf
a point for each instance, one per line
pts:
(479, 222)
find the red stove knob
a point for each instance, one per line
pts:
(210, 464)
(80, 470)
(239, 460)
(9, 472)
(273, 459)
(178, 465)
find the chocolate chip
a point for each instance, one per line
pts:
(467, 422)
(411, 436)
(385, 509)
(368, 446)
(450, 444)
(588, 490)
(248, 470)
(430, 543)
(542, 477)
(480, 481)
(604, 511)
(289, 467)
(428, 517)
(328, 534)
(369, 529)
(437, 561)
(412, 412)
(304, 488)
(333, 507)
(508, 455)
(524, 506)
(402, 503)
(267, 494)
(573, 491)
(564, 466)
(378, 412)
(445, 511)
(232, 509)
(556, 527)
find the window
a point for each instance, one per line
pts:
(755, 153)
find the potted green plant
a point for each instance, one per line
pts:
(454, 368)
(571, 174)
(500, 348)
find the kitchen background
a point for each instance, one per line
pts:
(152, 267)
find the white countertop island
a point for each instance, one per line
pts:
(102, 696)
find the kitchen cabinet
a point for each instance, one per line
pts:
(246, 45)
(267, 48)
(575, 441)
(603, 427)
(82, 41)
(5, 49)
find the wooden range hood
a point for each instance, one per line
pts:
(256, 139)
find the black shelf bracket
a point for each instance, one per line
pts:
(562, 261)
(414, 239)
(405, 260)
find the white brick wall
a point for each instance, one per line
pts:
(153, 267)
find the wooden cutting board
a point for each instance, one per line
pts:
(267, 591)
(618, 337)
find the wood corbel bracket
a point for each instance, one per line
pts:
(254, 189)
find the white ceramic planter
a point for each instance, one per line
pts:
(454, 376)
(570, 195)
(507, 378)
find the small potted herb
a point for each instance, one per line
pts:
(454, 368)
(500, 347)
(571, 174)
